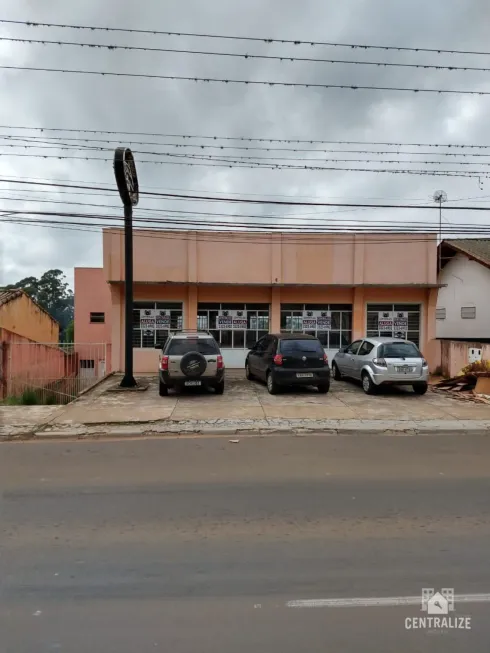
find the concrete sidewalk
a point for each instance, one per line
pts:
(246, 408)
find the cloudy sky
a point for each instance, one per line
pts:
(69, 101)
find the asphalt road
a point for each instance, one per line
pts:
(200, 544)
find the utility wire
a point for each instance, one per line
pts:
(248, 82)
(269, 166)
(245, 56)
(267, 40)
(58, 142)
(218, 236)
(240, 158)
(241, 138)
(239, 200)
(223, 157)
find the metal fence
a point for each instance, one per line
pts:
(48, 373)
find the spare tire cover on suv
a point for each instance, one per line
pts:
(193, 364)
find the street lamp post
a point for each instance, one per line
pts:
(127, 184)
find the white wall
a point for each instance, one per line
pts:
(468, 284)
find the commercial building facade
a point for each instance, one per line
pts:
(242, 285)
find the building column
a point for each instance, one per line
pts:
(358, 314)
(275, 321)
(430, 346)
(191, 308)
(117, 328)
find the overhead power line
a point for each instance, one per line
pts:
(249, 82)
(240, 158)
(269, 166)
(361, 46)
(246, 56)
(233, 226)
(241, 200)
(241, 138)
(59, 144)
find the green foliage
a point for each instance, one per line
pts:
(70, 332)
(50, 291)
(29, 398)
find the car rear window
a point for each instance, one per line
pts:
(303, 346)
(399, 350)
(181, 346)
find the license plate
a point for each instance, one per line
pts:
(305, 375)
(405, 369)
(192, 383)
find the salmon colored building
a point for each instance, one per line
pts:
(242, 285)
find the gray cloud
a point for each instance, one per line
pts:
(59, 100)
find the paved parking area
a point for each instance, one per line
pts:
(244, 400)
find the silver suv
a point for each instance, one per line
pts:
(382, 361)
(191, 359)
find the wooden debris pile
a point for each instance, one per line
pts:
(473, 386)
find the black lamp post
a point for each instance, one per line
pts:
(127, 184)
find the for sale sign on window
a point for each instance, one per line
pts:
(323, 321)
(232, 320)
(385, 320)
(162, 319)
(400, 324)
(147, 319)
(400, 321)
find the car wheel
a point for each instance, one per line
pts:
(248, 373)
(323, 388)
(420, 388)
(367, 384)
(336, 372)
(271, 384)
(219, 388)
(162, 389)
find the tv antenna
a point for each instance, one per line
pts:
(440, 196)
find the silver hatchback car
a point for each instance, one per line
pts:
(382, 361)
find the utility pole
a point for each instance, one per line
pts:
(127, 184)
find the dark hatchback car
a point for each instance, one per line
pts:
(289, 360)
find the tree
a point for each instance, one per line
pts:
(50, 291)
(70, 332)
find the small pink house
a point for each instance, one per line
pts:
(241, 285)
(93, 322)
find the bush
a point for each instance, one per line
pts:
(29, 398)
(477, 366)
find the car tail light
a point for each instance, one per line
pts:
(278, 359)
(219, 362)
(164, 363)
(380, 362)
(325, 359)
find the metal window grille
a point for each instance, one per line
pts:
(258, 322)
(97, 318)
(340, 333)
(440, 313)
(413, 310)
(147, 339)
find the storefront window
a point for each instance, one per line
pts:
(258, 320)
(148, 338)
(411, 312)
(340, 332)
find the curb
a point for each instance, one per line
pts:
(77, 434)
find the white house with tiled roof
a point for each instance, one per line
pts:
(463, 302)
